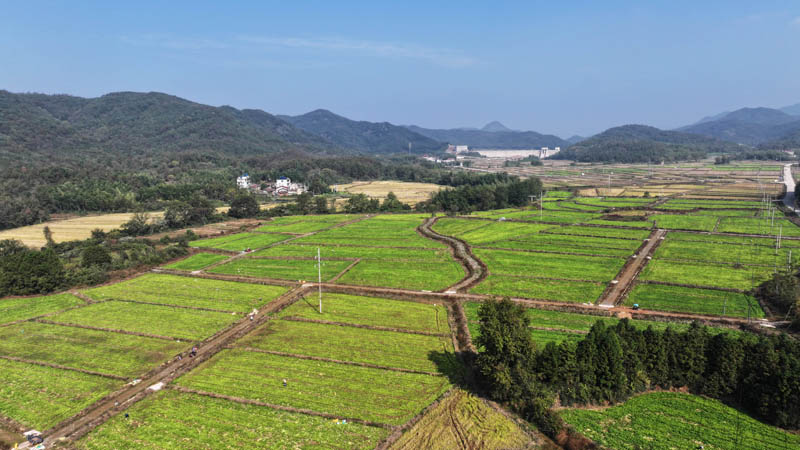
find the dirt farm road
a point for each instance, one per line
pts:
(635, 265)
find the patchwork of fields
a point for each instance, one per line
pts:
(372, 363)
(291, 380)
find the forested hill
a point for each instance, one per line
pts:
(641, 143)
(494, 139)
(751, 126)
(368, 137)
(38, 126)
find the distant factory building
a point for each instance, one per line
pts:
(462, 148)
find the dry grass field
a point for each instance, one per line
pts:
(69, 229)
(411, 193)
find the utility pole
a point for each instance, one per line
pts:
(319, 278)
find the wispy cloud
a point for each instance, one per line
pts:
(439, 56)
(324, 45)
(174, 42)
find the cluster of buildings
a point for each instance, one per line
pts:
(280, 187)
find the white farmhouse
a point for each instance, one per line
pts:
(243, 181)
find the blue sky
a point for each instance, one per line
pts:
(554, 67)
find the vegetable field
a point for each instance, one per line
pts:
(13, 309)
(197, 261)
(672, 420)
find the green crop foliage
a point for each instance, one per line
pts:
(590, 268)
(13, 309)
(365, 253)
(387, 230)
(197, 261)
(718, 252)
(405, 274)
(160, 320)
(378, 395)
(383, 348)
(40, 397)
(705, 274)
(195, 292)
(241, 241)
(700, 301)
(685, 222)
(600, 232)
(305, 224)
(673, 420)
(372, 311)
(455, 227)
(540, 288)
(100, 351)
(284, 269)
(172, 419)
(622, 223)
(758, 226)
(727, 239)
(495, 231)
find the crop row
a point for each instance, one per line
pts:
(693, 300)
(194, 292)
(758, 226)
(364, 253)
(716, 252)
(372, 311)
(728, 239)
(674, 420)
(100, 351)
(197, 261)
(241, 241)
(382, 230)
(361, 345)
(13, 309)
(705, 274)
(160, 320)
(281, 268)
(305, 224)
(591, 268)
(172, 419)
(416, 275)
(540, 288)
(40, 397)
(600, 232)
(383, 396)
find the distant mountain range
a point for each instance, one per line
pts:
(763, 127)
(367, 137)
(39, 126)
(492, 136)
(642, 143)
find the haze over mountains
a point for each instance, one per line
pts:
(750, 126)
(42, 127)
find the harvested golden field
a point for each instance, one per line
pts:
(69, 229)
(464, 421)
(407, 192)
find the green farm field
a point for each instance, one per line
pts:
(160, 320)
(192, 292)
(590, 268)
(40, 397)
(241, 241)
(705, 274)
(689, 300)
(168, 418)
(377, 395)
(666, 420)
(382, 348)
(540, 288)
(305, 224)
(14, 309)
(379, 312)
(284, 269)
(717, 252)
(432, 276)
(197, 261)
(100, 351)
(363, 252)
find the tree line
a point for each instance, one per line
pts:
(758, 373)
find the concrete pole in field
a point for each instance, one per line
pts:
(319, 279)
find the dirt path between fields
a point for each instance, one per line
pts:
(107, 407)
(476, 269)
(631, 269)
